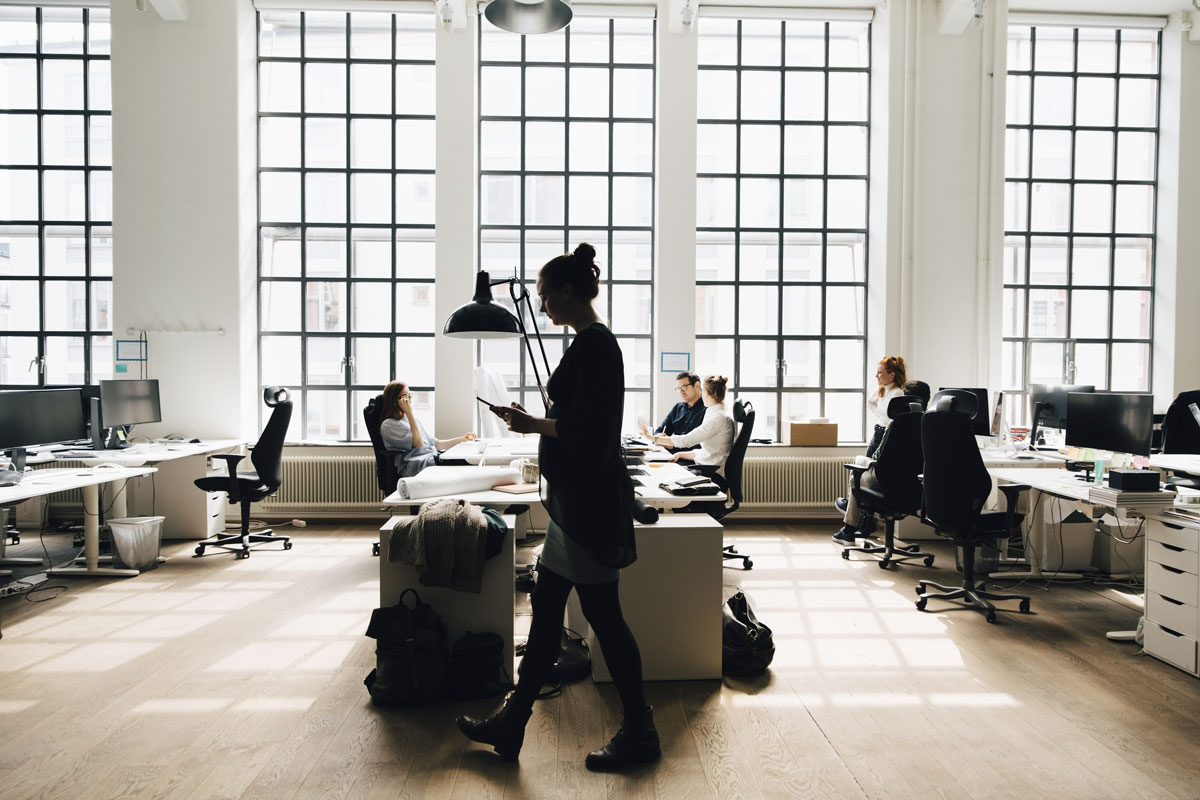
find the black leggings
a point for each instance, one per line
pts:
(602, 607)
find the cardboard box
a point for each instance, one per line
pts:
(811, 434)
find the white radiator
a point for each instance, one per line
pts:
(327, 483)
(793, 483)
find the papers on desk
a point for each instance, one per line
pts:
(1115, 498)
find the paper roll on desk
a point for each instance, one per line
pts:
(439, 481)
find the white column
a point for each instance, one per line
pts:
(675, 281)
(457, 228)
(1177, 263)
(184, 209)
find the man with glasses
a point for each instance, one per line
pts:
(686, 415)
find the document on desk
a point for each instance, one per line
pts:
(440, 481)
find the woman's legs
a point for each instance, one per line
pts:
(602, 606)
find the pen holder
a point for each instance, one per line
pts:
(529, 471)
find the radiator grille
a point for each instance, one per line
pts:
(797, 483)
(327, 483)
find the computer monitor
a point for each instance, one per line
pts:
(998, 416)
(1049, 405)
(38, 416)
(1122, 423)
(124, 404)
(981, 422)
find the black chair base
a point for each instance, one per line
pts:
(969, 596)
(890, 553)
(730, 552)
(240, 543)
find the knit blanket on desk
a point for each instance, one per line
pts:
(446, 542)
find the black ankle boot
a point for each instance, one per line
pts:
(636, 743)
(503, 729)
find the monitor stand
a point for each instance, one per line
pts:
(116, 438)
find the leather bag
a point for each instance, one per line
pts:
(747, 646)
(411, 658)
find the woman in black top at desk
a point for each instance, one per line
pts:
(589, 498)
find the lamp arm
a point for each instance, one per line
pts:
(524, 295)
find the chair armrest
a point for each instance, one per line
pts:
(231, 461)
(856, 471)
(1011, 492)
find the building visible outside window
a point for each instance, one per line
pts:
(346, 212)
(566, 155)
(1081, 154)
(781, 217)
(55, 196)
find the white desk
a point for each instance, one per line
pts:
(496, 452)
(89, 480)
(1178, 462)
(645, 487)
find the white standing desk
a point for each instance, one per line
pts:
(1177, 462)
(671, 595)
(497, 452)
(89, 480)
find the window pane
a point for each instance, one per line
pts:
(714, 309)
(758, 309)
(802, 360)
(1089, 314)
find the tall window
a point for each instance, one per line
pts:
(346, 212)
(1081, 154)
(781, 217)
(566, 155)
(55, 196)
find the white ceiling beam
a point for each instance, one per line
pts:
(171, 10)
(955, 15)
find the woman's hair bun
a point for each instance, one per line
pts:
(585, 252)
(722, 379)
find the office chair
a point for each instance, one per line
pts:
(386, 473)
(250, 486)
(1181, 434)
(743, 413)
(896, 491)
(957, 485)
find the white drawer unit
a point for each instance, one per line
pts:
(1172, 626)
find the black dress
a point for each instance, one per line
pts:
(589, 494)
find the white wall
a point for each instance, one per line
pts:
(185, 255)
(184, 212)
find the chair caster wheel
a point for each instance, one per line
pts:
(287, 545)
(16, 539)
(846, 554)
(200, 550)
(991, 616)
(929, 561)
(375, 549)
(1024, 606)
(749, 564)
(921, 604)
(920, 591)
(243, 553)
(884, 564)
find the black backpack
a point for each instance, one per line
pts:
(477, 666)
(747, 646)
(411, 658)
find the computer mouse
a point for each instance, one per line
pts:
(193, 441)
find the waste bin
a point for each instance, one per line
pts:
(135, 541)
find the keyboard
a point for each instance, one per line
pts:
(77, 454)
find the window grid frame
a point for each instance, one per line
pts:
(350, 387)
(779, 390)
(88, 227)
(527, 389)
(1017, 412)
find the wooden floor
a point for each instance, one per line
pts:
(218, 678)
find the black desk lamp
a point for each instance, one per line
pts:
(483, 319)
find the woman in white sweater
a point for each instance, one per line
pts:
(891, 375)
(715, 434)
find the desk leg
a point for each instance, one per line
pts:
(11, 562)
(91, 542)
(120, 505)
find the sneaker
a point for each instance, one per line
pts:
(842, 504)
(846, 535)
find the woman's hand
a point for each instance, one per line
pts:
(663, 441)
(645, 431)
(468, 437)
(519, 421)
(406, 405)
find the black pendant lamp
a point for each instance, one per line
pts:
(481, 318)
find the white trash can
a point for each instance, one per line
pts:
(135, 541)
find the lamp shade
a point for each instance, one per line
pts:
(481, 318)
(529, 16)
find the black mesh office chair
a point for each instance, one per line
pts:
(892, 489)
(250, 486)
(1181, 434)
(386, 473)
(743, 413)
(956, 486)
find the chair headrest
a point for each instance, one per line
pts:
(274, 395)
(955, 401)
(902, 404)
(742, 409)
